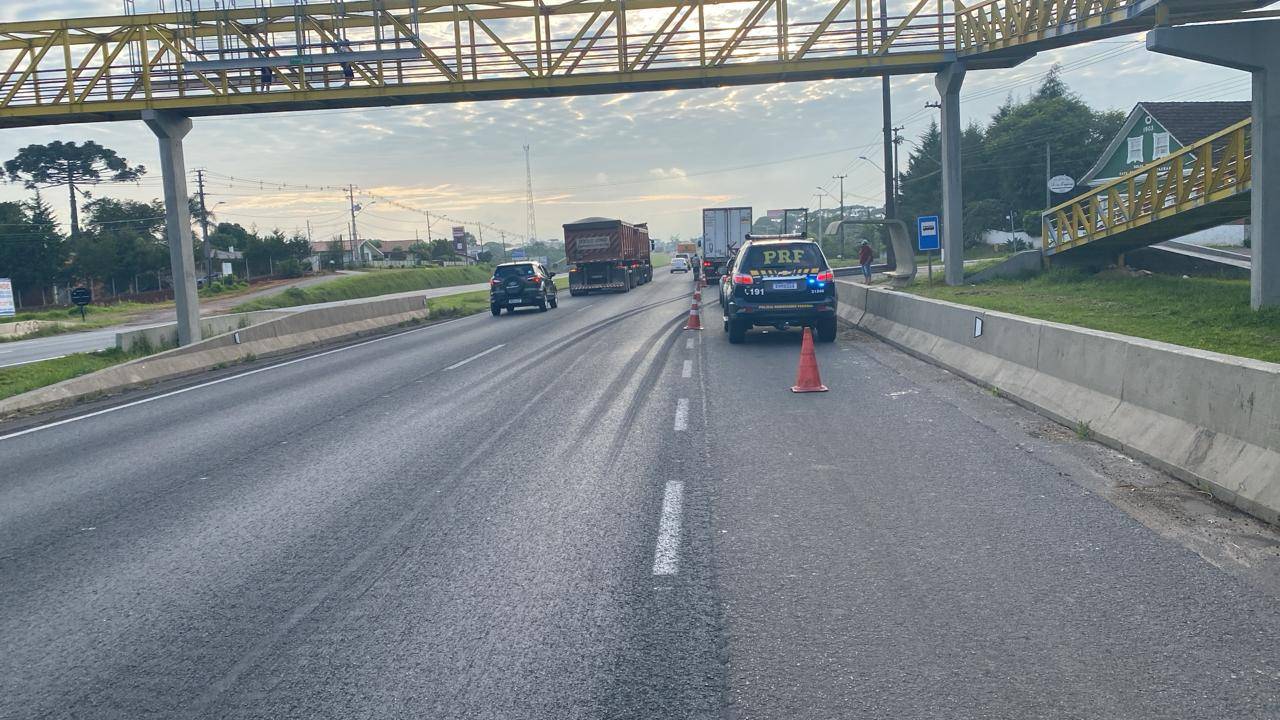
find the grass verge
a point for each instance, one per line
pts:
(96, 316)
(1204, 313)
(366, 285)
(23, 378)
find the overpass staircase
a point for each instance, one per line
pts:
(1200, 186)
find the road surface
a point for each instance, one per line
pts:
(22, 352)
(588, 513)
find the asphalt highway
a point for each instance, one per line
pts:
(590, 513)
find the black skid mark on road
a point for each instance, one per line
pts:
(608, 399)
(557, 347)
(674, 661)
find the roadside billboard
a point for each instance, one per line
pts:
(7, 307)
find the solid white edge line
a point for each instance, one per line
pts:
(666, 552)
(688, 344)
(28, 362)
(687, 370)
(219, 381)
(682, 415)
(477, 356)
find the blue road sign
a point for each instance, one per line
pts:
(928, 229)
(517, 254)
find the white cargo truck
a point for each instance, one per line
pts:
(723, 232)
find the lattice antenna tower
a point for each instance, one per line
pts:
(531, 227)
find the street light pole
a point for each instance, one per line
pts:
(841, 179)
(819, 196)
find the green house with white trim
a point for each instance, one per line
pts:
(1156, 129)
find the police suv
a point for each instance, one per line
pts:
(779, 281)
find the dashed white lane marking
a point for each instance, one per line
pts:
(666, 554)
(687, 370)
(477, 356)
(229, 378)
(682, 414)
(689, 344)
(584, 309)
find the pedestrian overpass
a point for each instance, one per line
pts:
(288, 55)
(1200, 186)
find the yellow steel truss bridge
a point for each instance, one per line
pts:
(1200, 186)
(353, 53)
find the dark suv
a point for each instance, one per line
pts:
(781, 282)
(521, 284)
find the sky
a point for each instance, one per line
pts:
(656, 157)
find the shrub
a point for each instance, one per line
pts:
(290, 268)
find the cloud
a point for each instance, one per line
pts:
(673, 173)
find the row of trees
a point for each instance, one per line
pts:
(121, 245)
(118, 243)
(1004, 162)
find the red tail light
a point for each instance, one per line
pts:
(742, 279)
(827, 276)
(495, 281)
(535, 279)
(706, 263)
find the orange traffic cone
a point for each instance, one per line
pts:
(807, 378)
(695, 317)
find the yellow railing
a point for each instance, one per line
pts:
(1002, 23)
(1213, 169)
(369, 50)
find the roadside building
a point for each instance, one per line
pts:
(1155, 130)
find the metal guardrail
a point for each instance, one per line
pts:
(1214, 169)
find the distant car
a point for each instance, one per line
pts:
(521, 284)
(679, 264)
(781, 282)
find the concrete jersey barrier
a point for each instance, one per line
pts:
(289, 332)
(1212, 420)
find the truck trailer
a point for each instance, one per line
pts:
(723, 232)
(606, 254)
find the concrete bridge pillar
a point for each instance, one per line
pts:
(949, 82)
(1250, 46)
(170, 128)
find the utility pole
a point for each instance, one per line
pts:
(897, 157)
(351, 199)
(1048, 175)
(204, 227)
(841, 179)
(886, 101)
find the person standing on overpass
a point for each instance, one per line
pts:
(865, 256)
